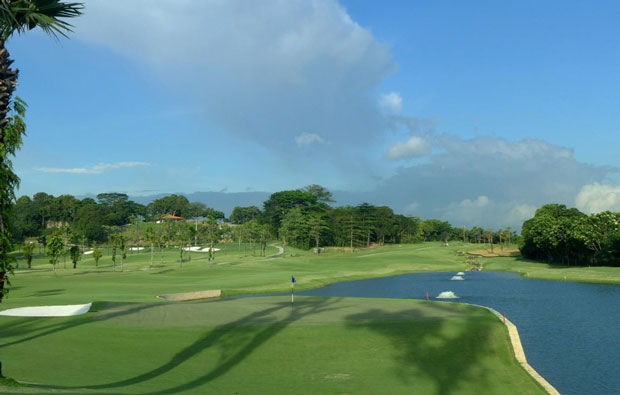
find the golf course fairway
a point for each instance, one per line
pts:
(133, 342)
(265, 345)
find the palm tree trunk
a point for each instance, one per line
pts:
(8, 81)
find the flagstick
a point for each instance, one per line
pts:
(292, 293)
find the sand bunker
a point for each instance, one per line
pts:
(211, 293)
(88, 252)
(200, 249)
(48, 311)
(447, 295)
(136, 248)
(459, 278)
(460, 273)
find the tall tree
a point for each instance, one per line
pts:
(76, 255)
(213, 234)
(55, 248)
(317, 225)
(151, 236)
(321, 193)
(18, 16)
(97, 254)
(28, 250)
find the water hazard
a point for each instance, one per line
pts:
(569, 330)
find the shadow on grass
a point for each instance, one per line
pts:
(31, 324)
(444, 351)
(235, 342)
(48, 292)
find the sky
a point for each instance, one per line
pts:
(473, 112)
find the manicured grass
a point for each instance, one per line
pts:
(532, 269)
(508, 259)
(136, 343)
(263, 345)
(231, 273)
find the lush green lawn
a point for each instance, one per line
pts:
(136, 343)
(602, 275)
(263, 345)
(232, 272)
(540, 270)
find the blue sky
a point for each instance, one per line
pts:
(474, 112)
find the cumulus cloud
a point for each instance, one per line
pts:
(308, 138)
(520, 213)
(594, 198)
(415, 147)
(263, 70)
(479, 202)
(96, 169)
(488, 181)
(391, 102)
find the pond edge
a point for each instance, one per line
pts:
(517, 347)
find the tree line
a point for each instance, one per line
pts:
(567, 236)
(302, 218)
(91, 219)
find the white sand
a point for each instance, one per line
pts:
(136, 248)
(457, 278)
(200, 249)
(48, 311)
(460, 274)
(447, 295)
(88, 252)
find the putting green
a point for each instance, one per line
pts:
(264, 345)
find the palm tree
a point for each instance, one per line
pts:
(19, 16)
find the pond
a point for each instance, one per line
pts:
(569, 330)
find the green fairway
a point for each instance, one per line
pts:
(233, 273)
(545, 271)
(263, 345)
(133, 342)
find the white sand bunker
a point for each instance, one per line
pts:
(200, 249)
(457, 278)
(88, 252)
(195, 249)
(460, 274)
(136, 248)
(48, 311)
(447, 295)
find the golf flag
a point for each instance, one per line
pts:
(292, 279)
(292, 290)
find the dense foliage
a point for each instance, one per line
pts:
(300, 218)
(567, 236)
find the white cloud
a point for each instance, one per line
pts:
(480, 201)
(262, 70)
(508, 179)
(96, 169)
(308, 138)
(594, 198)
(391, 102)
(520, 213)
(415, 147)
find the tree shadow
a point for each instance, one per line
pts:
(48, 292)
(235, 341)
(66, 323)
(442, 350)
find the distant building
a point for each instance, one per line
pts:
(169, 218)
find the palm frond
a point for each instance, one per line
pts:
(21, 15)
